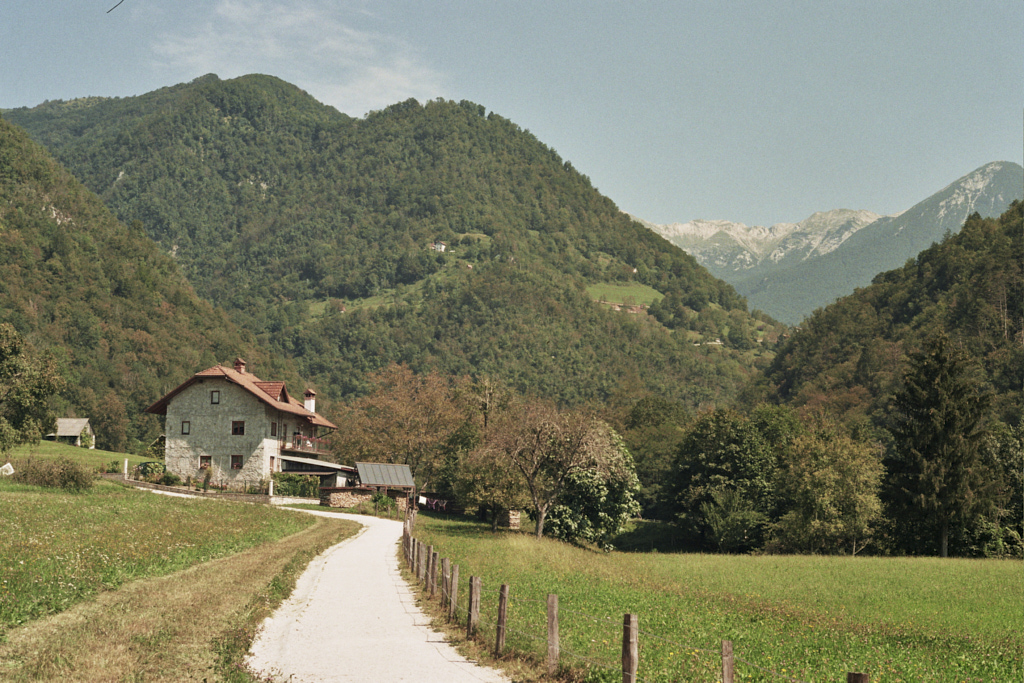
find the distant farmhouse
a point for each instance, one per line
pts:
(243, 429)
(439, 246)
(71, 429)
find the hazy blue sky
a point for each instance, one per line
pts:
(759, 112)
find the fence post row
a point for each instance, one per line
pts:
(727, 662)
(552, 634)
(499, 641)
(473, 622)
(630, 648)
(453, 593)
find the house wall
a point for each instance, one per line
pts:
(210, 433)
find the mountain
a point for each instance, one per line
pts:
(849, 357)
(322, 234)
(790, 269)
(117, 312)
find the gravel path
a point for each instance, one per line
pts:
(353, 618)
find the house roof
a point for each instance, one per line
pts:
(273, 394)
(383, 474)
(71, 426)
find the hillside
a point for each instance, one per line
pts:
(116, 311)
(790, 269)
(849, 356)
(311, 228)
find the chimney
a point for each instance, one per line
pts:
(240, 366)
(310, 401)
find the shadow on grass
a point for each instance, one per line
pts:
(647, 536)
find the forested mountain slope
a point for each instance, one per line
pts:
(116, 311)
(850, 356)
(288, 213)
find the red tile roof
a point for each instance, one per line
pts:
(273, 394)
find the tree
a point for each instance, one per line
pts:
(938, 472)
(828, 485)
(596, 504)
(26, 384)
(408, 419)
(724, 451)
(547, 446)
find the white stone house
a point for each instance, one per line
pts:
(239, 426)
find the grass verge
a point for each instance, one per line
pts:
(91, 458)
(195, 624)
(809, 618)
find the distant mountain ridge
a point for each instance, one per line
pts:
(790, 269)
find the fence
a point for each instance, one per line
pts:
(440, 579)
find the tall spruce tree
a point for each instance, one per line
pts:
(938, 477)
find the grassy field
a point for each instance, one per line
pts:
(92, 458)
(618, 294)
(805, 617)
(58, 549)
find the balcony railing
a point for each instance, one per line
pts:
(306, 444)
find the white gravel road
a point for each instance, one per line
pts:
(353, 618)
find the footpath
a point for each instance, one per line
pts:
(353, 618)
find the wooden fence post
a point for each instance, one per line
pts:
(453, 593)
(433, 575)
(857, 678)
(446, 577)
(426, 567)
(727, 663)
(421, 566)
(499, 641)
(630, 648)
(552, 634)
(475, 584)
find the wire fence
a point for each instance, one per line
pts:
(609, 648)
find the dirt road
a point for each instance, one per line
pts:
(353, 618)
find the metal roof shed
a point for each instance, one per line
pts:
(386, 475)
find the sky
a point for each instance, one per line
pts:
(756, 112)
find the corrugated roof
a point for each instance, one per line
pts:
(71, 426)
(322, 463)
(385, 474)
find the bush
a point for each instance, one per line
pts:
(170, 479)
(114, 466)
(382, 501)
(299, 485)
(61, 473)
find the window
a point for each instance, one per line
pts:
(236, 462)
(238, 428)
(204, 462)
(186, 427)
(214, 397)
(273, 429)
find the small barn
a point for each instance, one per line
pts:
(395, 481)
(70, 431)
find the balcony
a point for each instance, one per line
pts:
(306, 444)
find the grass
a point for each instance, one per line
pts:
(618, 294)
(807, 617)
(195, 624)
(58, 549)
(93, 458)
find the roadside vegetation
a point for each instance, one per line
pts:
(805, 617)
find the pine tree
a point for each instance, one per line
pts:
(939, 427)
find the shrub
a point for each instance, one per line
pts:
(114, 466)
(382, 501)
(170, 479)
(61, 473)
(299, 485)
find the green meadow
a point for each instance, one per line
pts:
(58, 548)
(809, 618)
(92, 458)
(619, 294)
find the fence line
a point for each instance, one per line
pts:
(425, 562)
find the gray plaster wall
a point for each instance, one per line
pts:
(210, 433)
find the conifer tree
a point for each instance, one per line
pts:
(940, 414)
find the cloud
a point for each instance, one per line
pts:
(306, 43)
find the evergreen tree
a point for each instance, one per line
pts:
(938, 475)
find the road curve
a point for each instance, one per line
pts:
(353, 618)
